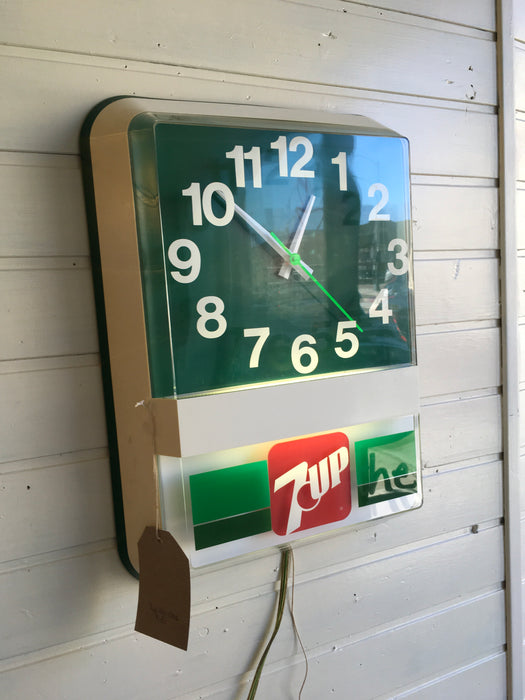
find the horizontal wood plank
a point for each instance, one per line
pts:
(171, 673)
(464, 141)
(57, 507)
(376, 668)
(455, 231)
(48, 312)
(458, 361)
(480, 13)
(42, 206)
(444, 290)
(358, 48)
(49, 412)
(459, 429)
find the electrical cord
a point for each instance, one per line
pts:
(286, 557)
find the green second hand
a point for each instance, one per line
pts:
(325, 291)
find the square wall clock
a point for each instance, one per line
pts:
(254, 281)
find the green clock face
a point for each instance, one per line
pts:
(269, 253)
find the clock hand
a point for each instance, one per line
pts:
(297, 238)
(325, 291)
(302, 268)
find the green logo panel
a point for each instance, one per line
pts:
(229, 504)
(386, 467)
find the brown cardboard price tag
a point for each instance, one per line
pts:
(164, 589)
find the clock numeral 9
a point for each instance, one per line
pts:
(203, 204)
(192, 263)
(281, 145)
(239, 156)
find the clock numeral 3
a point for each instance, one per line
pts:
(401, 255)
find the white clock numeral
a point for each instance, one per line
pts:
(343, 333)
(298, 169)
(379, 307)
(200, 205)
(192, 263)
(302, 347)
(401, 255)
(340, 160)
(215, 316)
(239, 156)
(262, 335)
(383, 201)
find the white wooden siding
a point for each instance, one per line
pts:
(519, 66)
(410, 606)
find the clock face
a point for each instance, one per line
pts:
(270, 254)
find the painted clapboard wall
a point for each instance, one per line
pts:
(519, 67)
(411, 606)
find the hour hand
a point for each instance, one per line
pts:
(299, 265)
(298, 237)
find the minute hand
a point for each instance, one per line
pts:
(302, 268)
(325, 291)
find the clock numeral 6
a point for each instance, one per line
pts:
(203, 204)
(218, 322)
(302, 348)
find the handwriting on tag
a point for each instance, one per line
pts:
(163, 610)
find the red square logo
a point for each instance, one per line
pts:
(309, 482)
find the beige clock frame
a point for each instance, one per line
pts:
(181, 427)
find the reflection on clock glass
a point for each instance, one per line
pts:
(270, 254)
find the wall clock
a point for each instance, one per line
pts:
(255, 278)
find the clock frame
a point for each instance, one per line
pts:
(131, 203)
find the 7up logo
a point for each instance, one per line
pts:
(309, 482)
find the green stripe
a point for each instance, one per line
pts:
(224, 493)
(229, 529)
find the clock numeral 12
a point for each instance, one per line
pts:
(281, 145)
(239, 156)
(203, 204)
